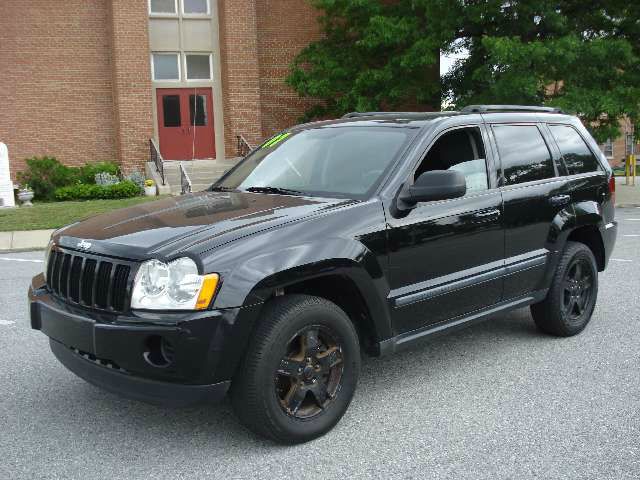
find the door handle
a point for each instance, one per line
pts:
(486, 215)
(559, 200)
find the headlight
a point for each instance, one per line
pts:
(172, 286)
(47, 254)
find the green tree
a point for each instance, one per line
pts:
(378, 54)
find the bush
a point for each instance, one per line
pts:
(88, 172)
(124, 189)
(45, 174)
(137, 178)
(104, 178)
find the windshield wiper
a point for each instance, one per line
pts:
(276, 190)
(222, 189)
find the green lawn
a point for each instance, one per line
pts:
(57, 214)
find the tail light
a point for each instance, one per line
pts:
(612, 188)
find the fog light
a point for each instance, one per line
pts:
(159, 352)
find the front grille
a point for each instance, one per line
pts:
(92, 282)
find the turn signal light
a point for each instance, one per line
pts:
(208, 290)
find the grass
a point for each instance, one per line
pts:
(57, 214)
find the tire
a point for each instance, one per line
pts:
(299, 372)
(568, 307)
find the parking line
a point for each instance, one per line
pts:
(6, 322)
(632, 235)
(620, 260)
(21, 260)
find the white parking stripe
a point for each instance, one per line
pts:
(631, 235)
(6, 322)
(21, 260)
(620, 260)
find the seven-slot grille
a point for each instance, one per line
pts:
(90, 281)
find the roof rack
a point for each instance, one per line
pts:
(377, 114)
(508, 108)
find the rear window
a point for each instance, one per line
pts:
(575, 152)
(524, 154)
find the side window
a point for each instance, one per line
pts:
(524, 154)
(576, 154)
(461, 149)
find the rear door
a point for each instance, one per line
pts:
(533, 193)
(587, 180)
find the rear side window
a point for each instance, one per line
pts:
(524, 154)
(577, 156)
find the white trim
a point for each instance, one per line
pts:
(186, 69)
(153, 70)
(164, 14)
(195, 14)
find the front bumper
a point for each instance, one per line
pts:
(116, 352)
(137, 388)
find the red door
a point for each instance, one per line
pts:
(185, 123)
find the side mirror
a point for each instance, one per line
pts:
(434, 185)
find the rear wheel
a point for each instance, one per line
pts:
(572, 297)
(300, 370)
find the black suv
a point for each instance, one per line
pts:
(366, 233)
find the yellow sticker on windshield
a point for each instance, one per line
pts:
(275, 140)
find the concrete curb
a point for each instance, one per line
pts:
(24, 241)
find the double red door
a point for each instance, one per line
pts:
(185, 123)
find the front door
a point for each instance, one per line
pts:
(446, 257)
(185, 123)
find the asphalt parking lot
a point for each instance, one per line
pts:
(497, 400)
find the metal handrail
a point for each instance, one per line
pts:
(244, 148)
(185, 181)
(156, 157)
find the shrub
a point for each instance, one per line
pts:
(45, 174)
(81, 191)
(137, 178)
(88, 172)
(105, 178)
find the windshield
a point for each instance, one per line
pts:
(347, 161)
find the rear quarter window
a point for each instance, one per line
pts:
(523, 153)
(577, 156)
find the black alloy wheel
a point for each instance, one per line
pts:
(578, 289)
(309, 375)
(300, 369)
(570, 301)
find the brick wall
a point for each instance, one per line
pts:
(131, 82)
(284, 27)
(56, 81)
(258, 41)
(240, 71)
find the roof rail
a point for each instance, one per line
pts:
(372, 114)
(508, 108)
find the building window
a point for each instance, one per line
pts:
(607, 148)
(165, 66)
(163, 7)
(198, 66)
(195, 7)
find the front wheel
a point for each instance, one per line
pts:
(572, 297)
(300, 370)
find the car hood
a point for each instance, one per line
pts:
(195, 222)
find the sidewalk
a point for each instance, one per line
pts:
(27, 240)
(627, 195)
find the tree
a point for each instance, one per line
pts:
(378, 54)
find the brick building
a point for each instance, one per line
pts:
(88, 80)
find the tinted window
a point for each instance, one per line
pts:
(344, 160)
(577, 156)
(171, 110)
(197, 110)
(463, 150)
(523, 153)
